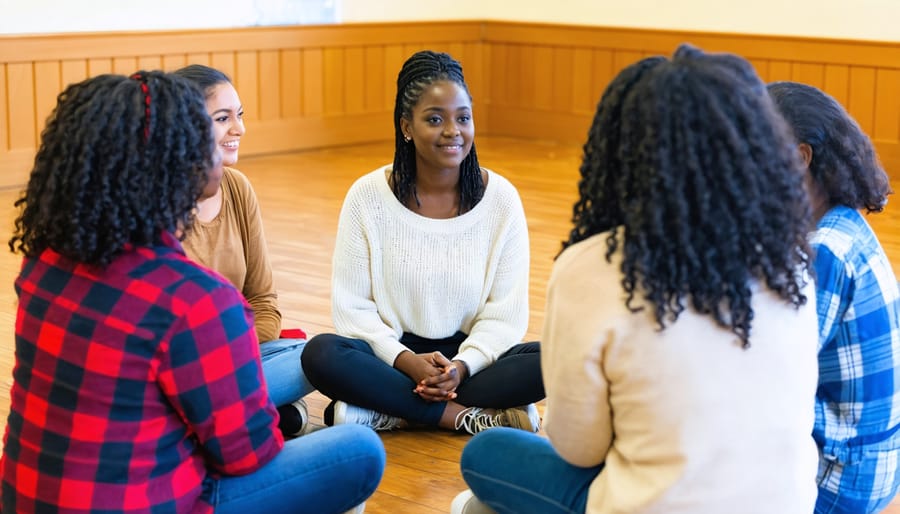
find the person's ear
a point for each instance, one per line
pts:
(806, 153)
(404, 128)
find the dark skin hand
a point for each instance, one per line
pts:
(436, 376)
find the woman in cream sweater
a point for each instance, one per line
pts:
(680, 341)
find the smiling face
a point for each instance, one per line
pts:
(224, 107)
(440, 127)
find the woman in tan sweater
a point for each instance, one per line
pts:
(679, 350)
(228, 237)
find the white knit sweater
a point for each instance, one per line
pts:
(397, 272)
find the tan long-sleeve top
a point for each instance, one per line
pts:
(685, 419)
(234, 244)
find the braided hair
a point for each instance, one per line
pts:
(844, 161)
(121, 160)
(419, 72)
(693, 176)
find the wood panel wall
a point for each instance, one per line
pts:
(315, 86)
(545, 81)
(301, 87)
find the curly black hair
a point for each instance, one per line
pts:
(121, 160)
(689, 169)
(844, 161)
(421, 70)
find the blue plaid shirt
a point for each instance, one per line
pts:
(858, 398)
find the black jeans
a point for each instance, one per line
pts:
(347, 369)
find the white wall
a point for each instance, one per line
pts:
(48, 16)
(843, 19)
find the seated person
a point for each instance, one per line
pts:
(430, 278)
(858, 399)
(680, 337)
(228, 237)
(137, 384)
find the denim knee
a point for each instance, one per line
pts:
(481, 444)
(371, 451)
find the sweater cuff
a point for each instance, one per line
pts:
(474, 360)
(388, 351)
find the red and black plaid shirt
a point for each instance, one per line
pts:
(132, 385)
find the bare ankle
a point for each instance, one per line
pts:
(448, 418)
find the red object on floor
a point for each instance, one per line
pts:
(292, 333)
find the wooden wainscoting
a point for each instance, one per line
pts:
(544, 81)
(301, 87)
(331, 85)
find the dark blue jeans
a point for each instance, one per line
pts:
(347, 369)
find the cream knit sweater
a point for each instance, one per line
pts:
(686, 421)
(397, 272)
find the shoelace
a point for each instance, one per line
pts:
(379, 421)
(474, 420)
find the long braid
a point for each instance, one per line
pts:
(420, 71)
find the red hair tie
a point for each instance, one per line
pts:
(146, 90)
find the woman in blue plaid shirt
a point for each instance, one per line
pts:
(858, 398)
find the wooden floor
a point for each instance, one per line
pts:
(301, 195)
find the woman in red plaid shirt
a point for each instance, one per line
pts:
(137, 385)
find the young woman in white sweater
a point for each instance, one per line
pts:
(430, 278)
(679, 350)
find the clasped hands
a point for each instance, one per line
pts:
(436, 376)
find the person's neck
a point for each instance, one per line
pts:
(436, 195)
(438, 182)
(818, 200)
(819, 210)
(208, 208)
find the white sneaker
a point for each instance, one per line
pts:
(475, 419)
(359, 509)
(343, 413)
(533, 416)
(466, 503)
